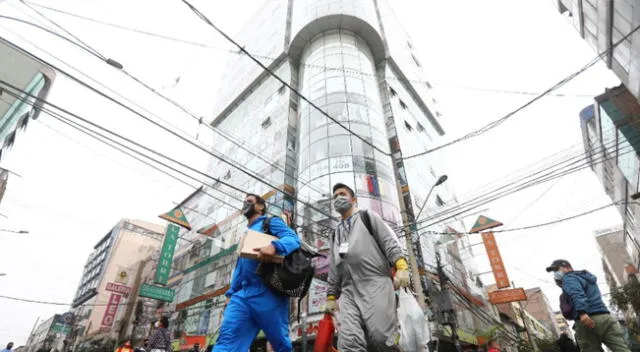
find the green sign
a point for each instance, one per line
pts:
(166, 254)
(156, 292)
(61, 329)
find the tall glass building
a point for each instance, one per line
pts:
(353, 61)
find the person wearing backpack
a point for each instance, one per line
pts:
(251, 306)
(594, 324)
(363, 250)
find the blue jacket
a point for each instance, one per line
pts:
(244, 275)
(585, 295)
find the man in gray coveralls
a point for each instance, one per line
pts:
(360, 277)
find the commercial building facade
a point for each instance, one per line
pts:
(604, 23)
(538, 306)
(352, 61)
(103, 302)
(614, 261)
(611, 139)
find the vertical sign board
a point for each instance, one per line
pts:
(495, 259)
(111, 310)
(166, 254)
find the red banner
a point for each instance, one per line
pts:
(495, 259)
(111, 310)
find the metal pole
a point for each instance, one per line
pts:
(532, 341)
(449, 312)
(304, 331)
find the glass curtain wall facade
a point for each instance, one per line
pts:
(330, 154)
(338, 55)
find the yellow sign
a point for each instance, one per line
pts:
(462, 335)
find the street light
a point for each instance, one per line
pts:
(442, 179)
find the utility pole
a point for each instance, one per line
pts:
(414, 248)
(444, 302)
(532, 341)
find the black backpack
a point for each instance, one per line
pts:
(293, 277)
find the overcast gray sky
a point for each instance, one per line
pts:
(73, 190)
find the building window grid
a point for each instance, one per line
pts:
(307, 82)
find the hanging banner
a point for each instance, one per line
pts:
(495, 259)
(111, 310)
(166, 255)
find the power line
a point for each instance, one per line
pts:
(282, 81)
(496, 123)
(475, 133)
(187, 140)
(529, 227)
(196, 117)
(513, 187)
(261, 56)
(138, 145)
(187, 111)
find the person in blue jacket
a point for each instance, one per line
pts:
(251, 306)
(594, 324)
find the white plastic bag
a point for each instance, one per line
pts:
(413, 329)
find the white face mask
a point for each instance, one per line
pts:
(157, 324)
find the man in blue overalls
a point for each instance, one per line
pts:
(252, 306)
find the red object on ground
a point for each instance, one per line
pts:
(324, 338)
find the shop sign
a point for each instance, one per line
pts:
(117, 288)
(157, 292)
(495, 259)
(507, 296)
(111, 310)
(166, 254)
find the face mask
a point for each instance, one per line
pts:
(248, 209)
(157, 324)
(341, 204)
(558, 275)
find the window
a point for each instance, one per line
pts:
(409, 45)
(419, 127)
(403, 105)
(428, 84)
(439, 201)
(415, 60)
(266, 123)
(392, 92)
(282, 89)
(408, 126)
(227, 175)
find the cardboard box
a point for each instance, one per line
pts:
(253, 239)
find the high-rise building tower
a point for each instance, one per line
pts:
(604, 23)
(349, 60)
(611, 138)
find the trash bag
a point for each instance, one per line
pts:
(324, 337)
(413, 327)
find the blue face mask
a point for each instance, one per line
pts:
(558, 275)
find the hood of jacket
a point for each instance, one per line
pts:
(585, 275)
